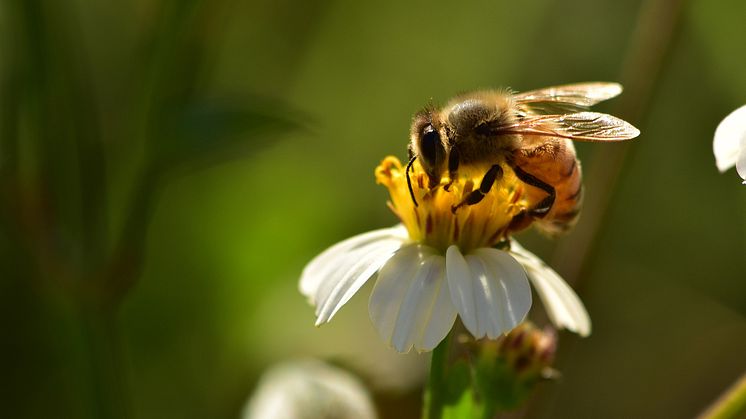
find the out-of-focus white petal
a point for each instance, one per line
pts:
(730, 139)
(329, 261)
(562, 305)
(410, 305)
(489, 289)
(309, 389)
(741, 164)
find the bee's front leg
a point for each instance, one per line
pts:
(453, 161)
(493, 175)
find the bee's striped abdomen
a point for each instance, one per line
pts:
(553, 161)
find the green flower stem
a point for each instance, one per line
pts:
(732, 404)
(436, 385)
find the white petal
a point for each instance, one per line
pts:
(460, 285)
(489, 289)
(328, 261)
(513, 284)
(410, 305)
(741, 164)
(352, 271)
(730, 139)
(563, 306)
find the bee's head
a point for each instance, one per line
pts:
(428, 144)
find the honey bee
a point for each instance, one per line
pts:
(530, 133)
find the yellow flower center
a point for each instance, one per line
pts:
(435, 222)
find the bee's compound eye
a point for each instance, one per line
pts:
(429, 143)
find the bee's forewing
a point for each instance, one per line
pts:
(580, 126)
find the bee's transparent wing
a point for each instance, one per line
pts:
(569, 98)
(580, 126)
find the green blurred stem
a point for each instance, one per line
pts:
(731, 404)
(107, 369)
(436, 384)
(656, 29)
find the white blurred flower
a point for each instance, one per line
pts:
(309, 389)
(437, 264)
(729, 144)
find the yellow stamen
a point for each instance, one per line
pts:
(435, 223)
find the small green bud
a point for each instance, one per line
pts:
(508, 368)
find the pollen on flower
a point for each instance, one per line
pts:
(435, 222)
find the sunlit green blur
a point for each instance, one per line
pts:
(168, 167)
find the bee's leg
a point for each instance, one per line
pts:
(520, 222)
(493, 175)
(453, 161)
(543, 207)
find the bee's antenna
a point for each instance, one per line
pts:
(409, 181)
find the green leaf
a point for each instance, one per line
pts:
(465, 407)
(497, 385)
(210, 131)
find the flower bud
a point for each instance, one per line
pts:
(508, 368)
(528, 351)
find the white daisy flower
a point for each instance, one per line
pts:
(439, 263)
(729, 144)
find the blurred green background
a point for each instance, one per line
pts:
(168, 167)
